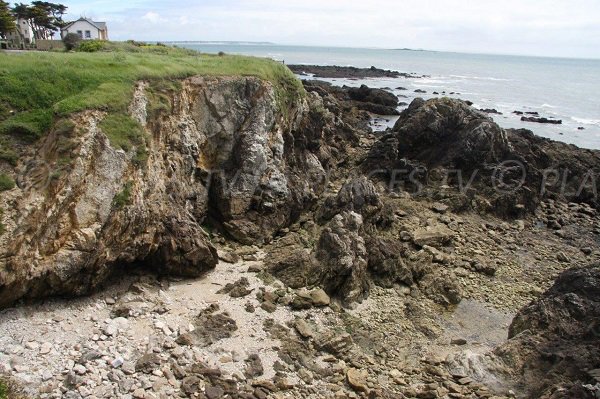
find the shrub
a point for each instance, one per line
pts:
(124, 197)
(6, 183)
(71, 40)
(90, 46)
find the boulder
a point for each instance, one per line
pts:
(507, 172)
(555, 340)
(433, 236)
(342, 256)
(358, 195)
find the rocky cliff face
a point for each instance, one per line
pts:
(223, 151)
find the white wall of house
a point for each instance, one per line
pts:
(86, 30)
(25, 32)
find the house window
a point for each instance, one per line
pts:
(80, 33)
(88, 34)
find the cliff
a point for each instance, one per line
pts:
(104, 190)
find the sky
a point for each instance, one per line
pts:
(563, 28)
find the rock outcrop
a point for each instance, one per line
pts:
(446, 142)
(554, 342)
(221, 152)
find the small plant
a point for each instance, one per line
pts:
(90, 46)
(71, 40)
(6, 183)
(3, 387)
(124, 197)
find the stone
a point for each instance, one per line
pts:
(268, 307)
(439, 207)
(147, 363)
(79, 369)
(254, 367)
(562, 257)
(303, 329)
(319, 298)
(213, 392)
(357, 379)
(117, 362)
(435, 236)
(458, 341)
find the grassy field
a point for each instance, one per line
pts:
(38, 88)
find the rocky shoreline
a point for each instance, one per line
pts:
(348, 72)
(299, 254)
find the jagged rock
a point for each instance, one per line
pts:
(358, 195)
(385, 263)
(512, 170)
(342, 255)
(554, 340)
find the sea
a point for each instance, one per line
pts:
(557, 88)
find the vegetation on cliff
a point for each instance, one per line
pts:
(36, 88)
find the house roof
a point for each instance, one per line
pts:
(98, 25)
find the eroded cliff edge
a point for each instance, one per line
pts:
(220, 148)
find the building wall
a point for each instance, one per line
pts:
(26, 33)
(84, 26)
(47, 45)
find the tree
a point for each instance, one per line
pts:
(7, 21)
(71, 40)
(45, 18)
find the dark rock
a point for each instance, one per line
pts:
(554, 340)
(370, 95)
(346, 72)
(147, 363)
(301, 303)
(491, 111)
(508, 167)
(239, 289)
(209, 328)
(342, 255)
(420, 91)
(385, 263)
(212, 392)
(254, 367)
(191, 385)
(358, 195)
(541, 120)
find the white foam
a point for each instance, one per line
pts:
(585, 121)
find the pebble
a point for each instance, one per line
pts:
(117, 362)
(80, 369)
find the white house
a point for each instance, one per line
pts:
(86, 29)
(23, 33)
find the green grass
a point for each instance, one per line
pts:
(122, 131)
(37, 87)
(2, 230)
(6, 183)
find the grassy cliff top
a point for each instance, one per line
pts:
(37, 87)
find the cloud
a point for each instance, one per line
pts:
(153, 17)
(534, 27)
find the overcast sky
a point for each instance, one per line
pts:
(568, 28)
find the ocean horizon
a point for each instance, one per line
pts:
(564, 89)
